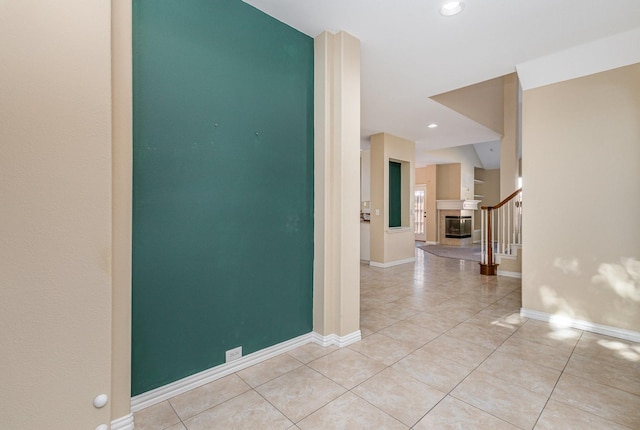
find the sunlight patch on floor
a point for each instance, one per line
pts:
(629, 352)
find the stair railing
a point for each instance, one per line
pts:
(501, 229)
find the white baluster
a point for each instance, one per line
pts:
(500, 232)
(483, 231)
(494, 221)
(509, 232)
(520, 212)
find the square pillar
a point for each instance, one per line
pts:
(336, 306)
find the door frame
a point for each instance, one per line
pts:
(422, 237)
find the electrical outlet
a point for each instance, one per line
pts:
(233, 354)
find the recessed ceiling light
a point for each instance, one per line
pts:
(432, 125)
(450, 8)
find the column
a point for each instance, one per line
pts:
(336, 307)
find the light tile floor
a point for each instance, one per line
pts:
(443, 348)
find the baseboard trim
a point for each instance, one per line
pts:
(165, 392)
(606, 330)
(392, 263)
(429, 242)
(510, 274)
(499, 257)
(173, 389)
(334, 339)
(123, 423)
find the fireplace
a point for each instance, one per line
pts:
(457, 227)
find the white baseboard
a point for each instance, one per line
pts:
(563, 321)
(123, 423)
(165, 392)
(392, 263)
(429, 242)
(499, 257)
(168, 391)
(509, 274)
(334, 339)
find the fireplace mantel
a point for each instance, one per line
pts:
(457, 205)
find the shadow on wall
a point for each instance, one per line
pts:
(622, 278)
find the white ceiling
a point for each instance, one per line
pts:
(409, 52)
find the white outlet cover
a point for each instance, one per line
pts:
(233, 354)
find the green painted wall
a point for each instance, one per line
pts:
(395, 194)
(223, 185)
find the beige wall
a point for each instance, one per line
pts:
(432, 212)
(581, 161)
(56, 220)
(365, 177)
(468, 164)
(379, 182)
(466, 157)
(482, 102)
(365, 204)
(452, 179)
(122, 168)
(488, 191)
(509, 164)
(494, 104)
(390, 245)
(336, 301)
(448, 181)
(421, 175)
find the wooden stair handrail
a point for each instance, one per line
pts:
(490, 268)
(504, 202)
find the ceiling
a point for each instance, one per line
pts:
(409, 52)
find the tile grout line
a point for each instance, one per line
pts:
(558, 380)
(473, 370)
(409, 352)
(177, 415)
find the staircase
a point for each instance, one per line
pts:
(501, 237)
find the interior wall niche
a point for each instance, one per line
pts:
(399, 194)
(395, 194)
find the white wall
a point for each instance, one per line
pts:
(604, 54)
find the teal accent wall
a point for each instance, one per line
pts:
(222, 185)
(395, 194)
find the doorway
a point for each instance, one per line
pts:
(420, 213)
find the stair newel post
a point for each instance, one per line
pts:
(489, 268)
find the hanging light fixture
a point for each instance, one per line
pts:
(450, 8)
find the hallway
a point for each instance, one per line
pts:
(442, 348)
